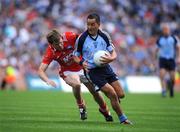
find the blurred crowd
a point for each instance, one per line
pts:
(133, 25)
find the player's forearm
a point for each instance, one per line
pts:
(41, 72)
(76, 59)
(43, 75)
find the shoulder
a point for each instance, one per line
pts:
(175, 38)
(159, 39)
(48, 55)
(104, 33)
(70, 36)
(82, 37)
(80, 41)
(105, 36)
(49, 50)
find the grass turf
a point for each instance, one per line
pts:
(51, 111)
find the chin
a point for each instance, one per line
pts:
(93, 34)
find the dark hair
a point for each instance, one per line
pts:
(94, 16)
(53, 37)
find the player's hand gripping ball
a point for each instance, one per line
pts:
(97, 57)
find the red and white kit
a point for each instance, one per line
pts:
(65, 56)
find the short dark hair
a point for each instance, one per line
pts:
(94, 16)
(53, 37)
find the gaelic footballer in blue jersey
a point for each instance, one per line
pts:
(168, 50)
(89, 42)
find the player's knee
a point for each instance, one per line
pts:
(112, 95)
(76, 85)
(121, 95)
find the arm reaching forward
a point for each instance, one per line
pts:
(43, 76)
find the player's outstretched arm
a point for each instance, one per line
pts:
(76, 59)
(43, 76)
(81, 62)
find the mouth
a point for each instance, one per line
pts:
(91, 31)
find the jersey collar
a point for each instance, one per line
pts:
(93, 38)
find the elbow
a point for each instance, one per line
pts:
(114, 55)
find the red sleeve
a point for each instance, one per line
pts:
(48, 56)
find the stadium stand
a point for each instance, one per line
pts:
(133, 25)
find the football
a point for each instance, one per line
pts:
(98, 55)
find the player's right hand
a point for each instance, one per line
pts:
(107, 58)
(51, 83)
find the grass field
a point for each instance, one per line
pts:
(52, 111)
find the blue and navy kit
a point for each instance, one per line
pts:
(167, 51)
(86, 46)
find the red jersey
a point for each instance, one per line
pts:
(65, 56)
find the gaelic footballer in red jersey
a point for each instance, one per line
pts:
(60, 49)
(63, 53)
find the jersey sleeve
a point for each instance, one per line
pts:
(111, 46)
(48, 56)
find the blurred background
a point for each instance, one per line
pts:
(134, 26)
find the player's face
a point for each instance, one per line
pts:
(59, 45)
(166, 30)
(92, 26)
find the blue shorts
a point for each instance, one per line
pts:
(168, 64)
(102, 75)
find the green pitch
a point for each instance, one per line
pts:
(54, 111)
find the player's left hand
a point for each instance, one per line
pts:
(51, 83)
(107, 58)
